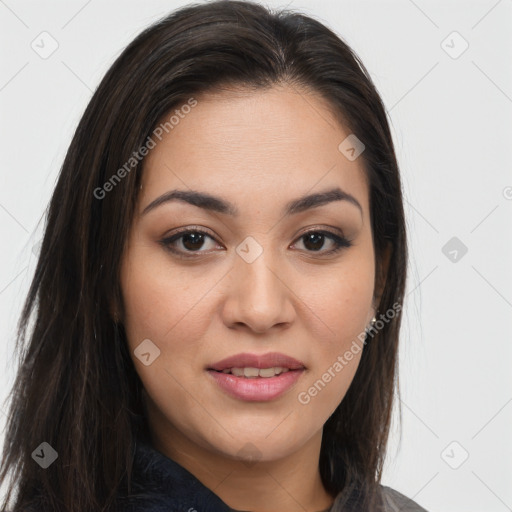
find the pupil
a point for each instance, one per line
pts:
(316, 238)
(194, 238)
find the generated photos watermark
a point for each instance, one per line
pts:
(305, 397)
(138, 156)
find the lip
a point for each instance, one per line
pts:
(258, 389)
(269, 360)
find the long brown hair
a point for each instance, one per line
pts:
(76, 386)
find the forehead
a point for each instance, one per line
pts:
(258, 144)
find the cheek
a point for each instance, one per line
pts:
(341, 299)
(340, 304)
(163, 303)
(337, 354)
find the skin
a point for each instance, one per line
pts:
(257, 150)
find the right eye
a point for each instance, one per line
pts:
(185, 241)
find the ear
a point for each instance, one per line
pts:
(381, 274)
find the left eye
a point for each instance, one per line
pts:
(192, 241)
(317, 238)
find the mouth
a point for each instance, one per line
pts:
(254, 373)
(255, 388)
(256, 378)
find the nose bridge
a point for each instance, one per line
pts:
(257, 294)
(257, 281)
(258, 277)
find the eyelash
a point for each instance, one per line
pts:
(339, 241)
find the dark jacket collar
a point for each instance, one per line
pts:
(160, 484)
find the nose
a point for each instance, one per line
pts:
(258, 296)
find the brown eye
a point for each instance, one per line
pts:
(314, 241)
(187, 241)
(193, 241)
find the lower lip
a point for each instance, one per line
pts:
(259, 389)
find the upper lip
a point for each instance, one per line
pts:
(246, 360)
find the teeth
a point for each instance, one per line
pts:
(251, 373)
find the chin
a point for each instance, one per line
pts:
(258, 446)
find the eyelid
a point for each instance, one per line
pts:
(186, 229)
(320, 227)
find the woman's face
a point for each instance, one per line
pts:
(256, 282)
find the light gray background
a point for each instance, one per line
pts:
(451, 120)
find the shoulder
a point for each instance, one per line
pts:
(395, 501)
(377, 498)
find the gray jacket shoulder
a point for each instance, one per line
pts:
(397, 502)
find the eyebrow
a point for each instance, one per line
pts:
(217, 204)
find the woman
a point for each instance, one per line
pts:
(217, 301)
